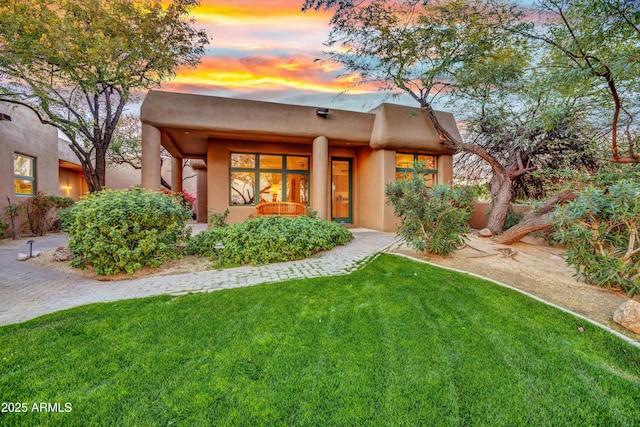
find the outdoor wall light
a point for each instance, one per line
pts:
(322, 112)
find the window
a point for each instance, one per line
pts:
(404, 166)
(273, 177)
(24, 175)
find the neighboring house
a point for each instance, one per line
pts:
(29, 160)
(34, 159)
(337, 162)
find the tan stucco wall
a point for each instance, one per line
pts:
(24, 134)
(210, 128)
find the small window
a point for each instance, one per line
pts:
(404, 166)
(24, 175)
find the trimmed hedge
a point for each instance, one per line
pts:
(270, 239)
(123, 230)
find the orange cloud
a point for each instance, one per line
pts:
(268, 73)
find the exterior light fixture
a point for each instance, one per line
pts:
(218, 247)
(322, 112)
(5, 117)
(30, 243)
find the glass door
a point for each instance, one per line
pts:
(341, 190)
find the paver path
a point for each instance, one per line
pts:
(28, 291)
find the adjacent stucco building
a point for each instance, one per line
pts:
(28, 155)
(337, 162)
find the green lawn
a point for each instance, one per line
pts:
(395, 343)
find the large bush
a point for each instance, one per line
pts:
(122, 231)
(600, 230)
(432, 219)
(270, 239)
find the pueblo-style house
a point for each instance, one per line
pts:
(252, 155)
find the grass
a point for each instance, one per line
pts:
(395, 343)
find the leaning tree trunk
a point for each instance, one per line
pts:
(501, 196)
(536, 220)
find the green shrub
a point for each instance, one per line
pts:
(270, 239)
(431, 219)
(122, 231)
(218, 219)
(600, 230)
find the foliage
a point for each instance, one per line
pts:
(122, 231)
(3, 229)
(217, 220)
(77, 63)
(431, 219)
(592, 47)
(270, 239)
(396, 343)
(41, 211)
(11, 212)
(601, 231)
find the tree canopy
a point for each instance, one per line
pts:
(77, 63)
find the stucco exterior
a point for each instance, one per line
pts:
(24, 134)
(343, 147)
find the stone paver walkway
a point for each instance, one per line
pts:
(28, 291)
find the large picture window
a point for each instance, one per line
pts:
(272, 177)
(24, 175)
(405, 162)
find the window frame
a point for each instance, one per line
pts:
(30, 178)
(256, 170)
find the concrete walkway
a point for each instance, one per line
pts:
(28, 291)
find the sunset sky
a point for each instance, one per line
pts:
(265, 50)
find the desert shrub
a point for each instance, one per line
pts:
(42, 212)
(12, 212)
(270, 239)
(600, 230)
(122, 231)
(217, 219)
(3, 229)
(432, 219)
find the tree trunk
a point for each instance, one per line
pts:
(535, 221)
(501, 196)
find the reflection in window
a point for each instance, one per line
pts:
(298, 188)
(243, 188)
(24, 175)
(243, 161)
(270, 187)
(272, 177)
(405, 162)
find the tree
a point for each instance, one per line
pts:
(76, 63)
(430, 48)
(126, 147)
(534, 134)
(594, 48)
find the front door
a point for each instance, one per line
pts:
(341, 190)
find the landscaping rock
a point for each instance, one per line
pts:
(62, 254)
(485, 232)
(24, 257)
(628, 316)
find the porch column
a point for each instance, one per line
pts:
(176, 174)
(320, 177)
(150, 157)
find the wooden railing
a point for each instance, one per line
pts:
(281, 208)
